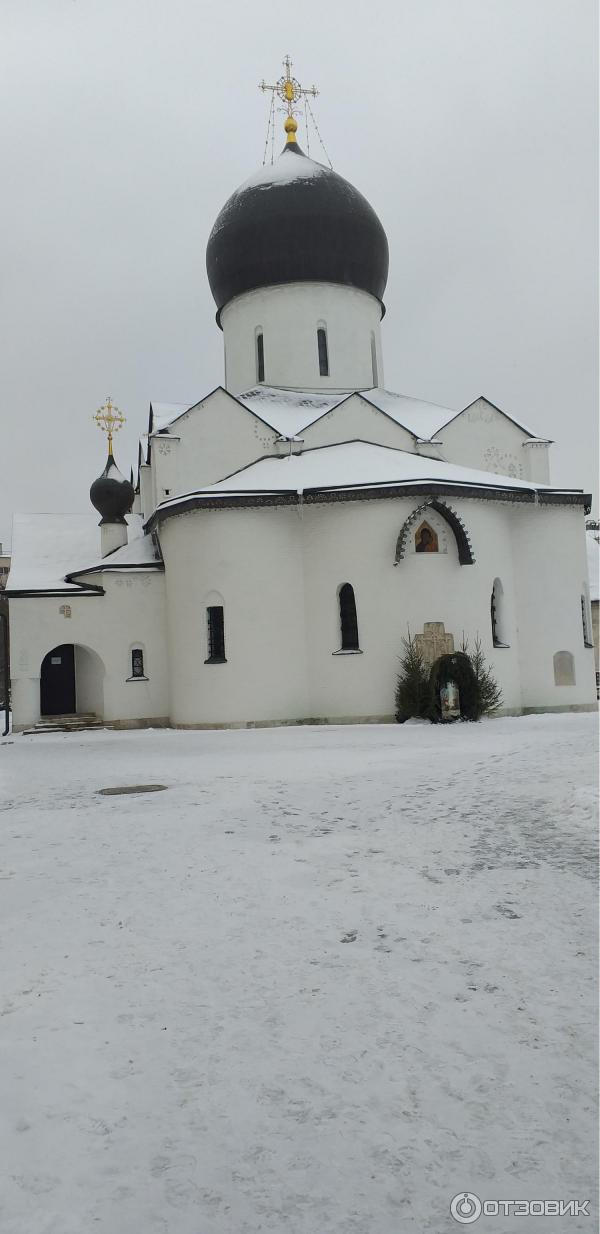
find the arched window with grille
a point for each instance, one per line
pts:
(348, 618)
(136, 664)
(215, 629)
(323, 350)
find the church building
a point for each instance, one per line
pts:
(286, 531)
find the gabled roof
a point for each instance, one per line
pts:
(50, 550)
(289, 412)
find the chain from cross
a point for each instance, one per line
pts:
(288, 88)
(109, 419)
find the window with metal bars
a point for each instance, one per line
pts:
(348, 618)
(216, 635)
(137, 662)
(323, 352)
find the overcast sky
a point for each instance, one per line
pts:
(469, 124)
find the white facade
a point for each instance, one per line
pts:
(288, 318)
(257, 503)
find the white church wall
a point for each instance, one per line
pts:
(288, 317)
(355, 543)
(164, 457)
(482, 437)
(279, 572)
(216, 437)
(357, 420)
(250, 562)
(89, 681)
(550, 562)
(146, 501)
(101, 629)
(537, 461)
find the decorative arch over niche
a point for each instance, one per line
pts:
(466, 556)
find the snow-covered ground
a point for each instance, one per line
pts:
(329, 978)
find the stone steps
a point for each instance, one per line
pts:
(65, 724)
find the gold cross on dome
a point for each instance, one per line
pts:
(109, 419)
(290, 92)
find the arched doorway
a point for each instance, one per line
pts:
(72, 682)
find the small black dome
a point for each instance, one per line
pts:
(296, 221)
(111, 494)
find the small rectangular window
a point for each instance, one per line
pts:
(323, 353)
(216, 635)
(260, 358)
(137, 662)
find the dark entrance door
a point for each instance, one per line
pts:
(57, 684)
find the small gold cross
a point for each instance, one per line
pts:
(290, 92)
(109, 419)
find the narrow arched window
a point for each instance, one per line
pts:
(585, 617)
(498, 616)
(323, 352)
(374, 360)
(215, 634)
(348, 619)
(137, 662)
(260, 356)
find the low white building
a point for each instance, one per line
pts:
(292, 525)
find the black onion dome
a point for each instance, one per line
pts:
(111, 494)
(296, 221)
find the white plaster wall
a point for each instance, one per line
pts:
(215, 438)
(132, 613)
(289, 316)
(89, 681)
(537, 461)
(550, 565)
(252, 560)
(279, 571)
(356, 543)
(482, 437)
(164, 462)
(146, 490)
(357, 420)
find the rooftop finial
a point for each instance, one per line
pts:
(109, 419)
(290, 92)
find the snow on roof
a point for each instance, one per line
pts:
(164, 413)
(138, 552)
(422, 419)
(289, 411)
(593, 558)
(48, 547)
(351, 465)
(289, 166)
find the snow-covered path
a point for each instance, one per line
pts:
(329, 978)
